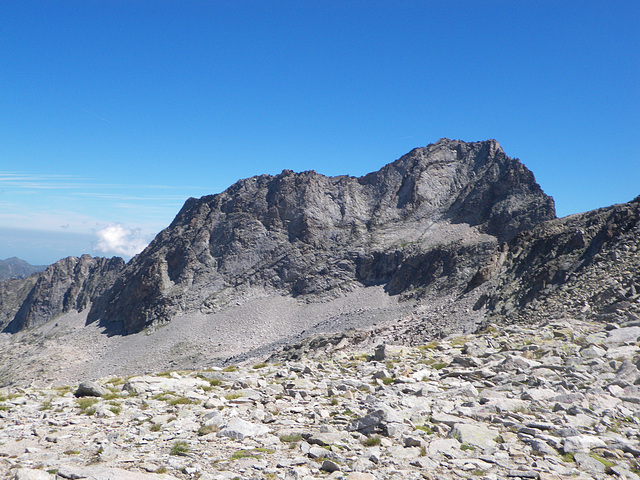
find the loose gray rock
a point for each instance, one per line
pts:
(90, 389)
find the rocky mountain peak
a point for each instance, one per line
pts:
(313, 235)
(70, 283)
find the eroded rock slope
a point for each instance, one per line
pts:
(69, 284)
(425, 220)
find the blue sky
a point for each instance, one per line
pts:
(113, 113)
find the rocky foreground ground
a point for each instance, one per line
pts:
(555, 401)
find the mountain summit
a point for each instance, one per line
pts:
(433, 215)
(447, 239)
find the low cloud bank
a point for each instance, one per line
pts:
(120, 240)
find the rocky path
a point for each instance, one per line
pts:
(559, 401)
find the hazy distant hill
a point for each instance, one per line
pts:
(16, 268)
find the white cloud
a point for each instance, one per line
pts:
(120, 240)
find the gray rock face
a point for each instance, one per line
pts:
(71, 283)
(430, 217)
(585, 266)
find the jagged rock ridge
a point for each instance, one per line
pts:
(423, 221)
(71, 283)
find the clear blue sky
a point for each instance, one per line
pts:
(112, 113)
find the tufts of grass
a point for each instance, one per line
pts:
(62, 390)
(466, 446)
(372, 441)
(439, 365)
(85, 404)
(117, 381)
(179, 448)
(291, 438)
(233, 395)
(260, 365)
(425, 428)
(71, 452)
(230, 368)
(604, 461)
(252, 453)
(156, 427)
(207, 429)
(180, 401)
(428, 346)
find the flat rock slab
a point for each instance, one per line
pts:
(238, 429)
(623, 335)
(152, 384)
(582, 443)
(476, 435)
(102, 473)
(31, 474)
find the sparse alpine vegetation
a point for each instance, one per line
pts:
(511, 401)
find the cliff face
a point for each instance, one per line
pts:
(582, 266)
(423, 221)
(71, 283)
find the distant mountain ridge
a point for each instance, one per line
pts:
(448, 238)
(16, 268)
(429, 216)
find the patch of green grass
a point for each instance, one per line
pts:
(117, 381)
(252, 453)
(164, 396)
(116, 410)
(161, 470)
(85, 404)
(111, 396)
(215, 382)
(568, 457)
(372, 441)
(179, 448)
(291, 438)
(428, 346)
(439, 365)
(62, 390)
(233, 395)
(387, 380)
(466, 446)
(156, 427)
(260, 365)
(5, 408)
(71, 452)
(46, 405)
(181, 401)
(207, 429)
(459, 341)
(604, 461)
(230, 368)
(425, 428)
